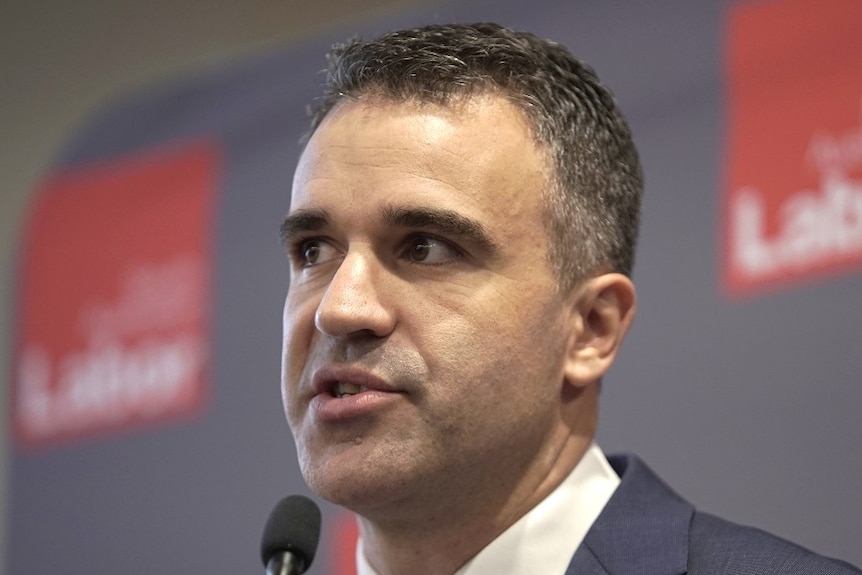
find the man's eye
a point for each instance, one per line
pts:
(313, 252)
(429, 250)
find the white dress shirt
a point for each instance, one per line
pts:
(544, 540)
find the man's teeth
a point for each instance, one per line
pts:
(344, 389)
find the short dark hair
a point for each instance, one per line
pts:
(592, 210)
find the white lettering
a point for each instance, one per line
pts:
(813, 226)
(751, 250)
(106, 384)
(836, 153)
(152, 297)
(33, 402)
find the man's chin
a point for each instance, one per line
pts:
(362, 490)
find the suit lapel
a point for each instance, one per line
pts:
(585, 563)
(643, 530)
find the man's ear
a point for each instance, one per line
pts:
(603, 310)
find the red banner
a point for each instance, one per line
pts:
(793, 198)
(114, 297)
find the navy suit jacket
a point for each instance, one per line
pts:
(647, 529)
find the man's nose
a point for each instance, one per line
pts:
(353, 303)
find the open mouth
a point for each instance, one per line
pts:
(345, 389)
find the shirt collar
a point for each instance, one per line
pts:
(543, 540)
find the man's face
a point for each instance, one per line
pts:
(424, 335)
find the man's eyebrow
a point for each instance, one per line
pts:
(445, 222)
(300, 221)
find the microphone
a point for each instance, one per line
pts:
(290, 536)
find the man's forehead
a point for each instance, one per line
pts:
(476, 159)
(476, 124)
(459, 104)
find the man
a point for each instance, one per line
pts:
(461, 236)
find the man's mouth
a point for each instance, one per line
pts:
(343, 393)
(346, 389)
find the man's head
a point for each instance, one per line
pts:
(593, 204)
(433, 369)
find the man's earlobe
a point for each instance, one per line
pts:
(603, 310)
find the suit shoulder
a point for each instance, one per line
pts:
(719, 546)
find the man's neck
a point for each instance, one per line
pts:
(439, 540)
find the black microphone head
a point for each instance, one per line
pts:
(294, 526)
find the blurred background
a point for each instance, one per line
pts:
(740, 389)
(59, 61)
